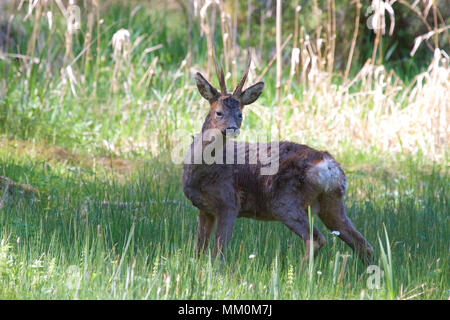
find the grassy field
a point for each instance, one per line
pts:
(139, 243)
(91, 124)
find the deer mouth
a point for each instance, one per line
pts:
(231, 132)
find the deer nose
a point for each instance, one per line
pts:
(232, 131)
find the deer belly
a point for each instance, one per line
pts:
(314, 207)
(257, 215)
(253, 208)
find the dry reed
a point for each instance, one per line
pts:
(373, 109)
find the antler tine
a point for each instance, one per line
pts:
(220, 75)
(237, 91)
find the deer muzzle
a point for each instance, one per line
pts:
(231, 132)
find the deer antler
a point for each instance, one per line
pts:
(220, 76)
(237, 91)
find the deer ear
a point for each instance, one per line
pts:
(205, 88)
(252, 93)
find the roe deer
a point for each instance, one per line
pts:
(224, 191)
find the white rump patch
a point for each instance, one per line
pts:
(326, 174)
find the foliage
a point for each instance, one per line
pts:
(89, 119)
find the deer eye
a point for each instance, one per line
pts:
(219, 114)
(240, 116)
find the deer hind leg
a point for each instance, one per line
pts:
(333, 215)
(204, 230)
(296, 220)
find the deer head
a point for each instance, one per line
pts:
(226, 109)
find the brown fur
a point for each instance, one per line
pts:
(306, 178)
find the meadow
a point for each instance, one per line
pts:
(89, 118)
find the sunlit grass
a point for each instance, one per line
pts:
(91, 236)
(91, 125)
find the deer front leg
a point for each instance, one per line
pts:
(224, 231)
(204, 230)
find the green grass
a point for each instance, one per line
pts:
(66, 245)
